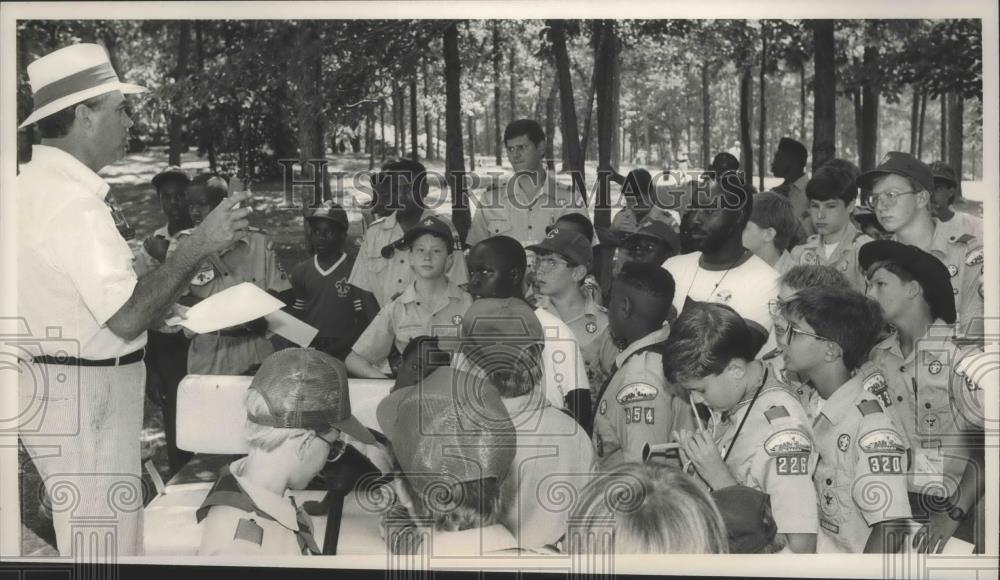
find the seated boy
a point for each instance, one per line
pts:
(432, 305)
(421, 357)
(861, 476)
(769, 232)
(928, 398)
(832, 194)
(636, 405)
(581, 224)
(760, 435)
(323, 297)
(298, 410)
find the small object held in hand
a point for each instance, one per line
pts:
(694, 410)
(659, 448)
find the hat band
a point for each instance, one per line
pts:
(80, 81)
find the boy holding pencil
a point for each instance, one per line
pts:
(759, 434)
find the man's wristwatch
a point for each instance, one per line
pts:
(956, 514)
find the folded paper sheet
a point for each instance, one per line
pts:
(235, 305)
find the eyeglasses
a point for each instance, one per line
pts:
(337, 448)
(889, 197)
(792, 331)
(549, 263)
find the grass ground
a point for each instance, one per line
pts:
(131, 187)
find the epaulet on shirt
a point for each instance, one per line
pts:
(776, 412)
(379, 220)
(869, 407)
(964, 239)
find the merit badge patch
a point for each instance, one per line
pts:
(974, 258)
(843, 442)
(457, 319)
(881, 441)
(931, 421)
(934, 367)
(203, 277)
(636, 392)
(591, 327)
(788, 441)
(952, 270)
(878, 386)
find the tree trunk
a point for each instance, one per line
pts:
(550, 126)
(746, 103)
(395, 118)
(402, 121)
(706, 118)
(761, 136)
(437, 137)
(869, 111)
(429, 152)
(381, 121)
(472, 142)
(567, 104)
(920, 126)
(415, 153)
(180, 71)
(512, 104)
(370, 138)
(207, 137)
(497, 57)
(914, 119)
(944, 128)
(956, 110)
(802, 103)
(824, 94)
(607, 120)
(24, 146)
(614, 78)
(858, 131)
(455, 158)
(588, 119)
(310, 101)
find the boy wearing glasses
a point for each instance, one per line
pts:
(861, 476)
(901, 198)
(431, 305)
(832, 193)
(298, 414)
(934, 404)
(759, 435)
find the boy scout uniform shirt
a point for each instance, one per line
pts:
(407, 317)
(935, 406)
(773, 453)
(962, 253)
(806, 396)
(388, 278)
(249, 259)
(637, 407)
(241, 518)
(593, 337)
(843, 258)
(861, 475)
(507, 210)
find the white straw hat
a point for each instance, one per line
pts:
(72, 75)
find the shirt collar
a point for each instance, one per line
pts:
(410, 294)
(542, 191)
(654, 337)
(590, 307)
(278, 507)
(72, 167)
(801, 182)
(835, 408)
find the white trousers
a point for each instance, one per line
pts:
(81, 427)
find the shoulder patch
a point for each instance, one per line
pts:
(775, 413)
(975, 257)
(249, 531)
(869, 407)
(882, 441)
(787, 442)
(636, 392)
(876, 384)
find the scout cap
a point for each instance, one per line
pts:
(306, 389)
(172, 172)
(928, 271)
(660, 227)
(450, 427)
(69, 76)
(903, 164)
(943, 173)
(568, 244)
(747, 513)
(332, 212)
(430, 225)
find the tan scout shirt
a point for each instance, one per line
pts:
(806, 396)
(593, 337)
(505, 209)
(638, 406)
(774, 453)
(844, 258)
(963, 254)
(861, 475)
(250, 259)
(388, 278)
(932, 402)
(407, 317)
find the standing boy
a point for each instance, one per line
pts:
(770, 230)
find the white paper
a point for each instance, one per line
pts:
(285, 325)
(235, 305)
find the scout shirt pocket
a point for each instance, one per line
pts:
(500, 226)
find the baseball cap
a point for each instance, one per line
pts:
(568, 244)
(171, 172)
(450, 427)
(430, 225)
(306, 389)
(659, 227)
(206, 187)
(332, 212)
(899, 163)
(747, 513)
(943, 172)
(932, 275)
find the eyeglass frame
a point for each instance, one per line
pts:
(892, 196)
(337, 448)
(791, 331)
(548, 263)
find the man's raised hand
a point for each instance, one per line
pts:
(224, 225)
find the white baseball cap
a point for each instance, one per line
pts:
(72, 75)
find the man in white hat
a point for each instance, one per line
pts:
(81, 387)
